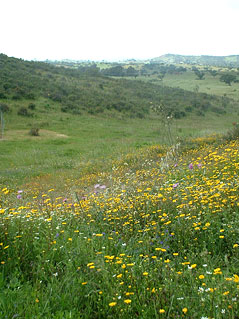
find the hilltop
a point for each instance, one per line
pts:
(225, 61)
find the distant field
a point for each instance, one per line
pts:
(188, 81)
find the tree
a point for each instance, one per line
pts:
(228, 78)
(130, 71)
(199, 73)
(212, 72)
(162, 75)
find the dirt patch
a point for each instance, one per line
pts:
(13, 135)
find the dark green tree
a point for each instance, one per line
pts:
(200, 74)
(228, 78)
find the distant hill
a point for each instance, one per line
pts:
(226, 61)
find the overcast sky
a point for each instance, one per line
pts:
(113, 29)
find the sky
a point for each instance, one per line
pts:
(115, 30)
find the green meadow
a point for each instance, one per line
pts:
(124, 211)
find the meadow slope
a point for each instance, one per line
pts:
(154, 237)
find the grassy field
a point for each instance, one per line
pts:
(155, 237)
(189, 81)
(74, 144)
(107, 216)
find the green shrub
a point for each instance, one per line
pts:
(4, 107)
(34, 131)
(23, 112)
(32, 106)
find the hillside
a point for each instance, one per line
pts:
(86, 120)
(208, 60)
(87, 90)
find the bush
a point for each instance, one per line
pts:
(233, 134)
(2, 95)
(4, 107)
(34, 131)
(23, 112)
(32, 106)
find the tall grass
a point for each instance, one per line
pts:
(143, 239)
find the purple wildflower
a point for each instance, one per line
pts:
(175, 185)
(199, 165)
(19, 196)
(102, 187)
(190, 166)
(97, 186)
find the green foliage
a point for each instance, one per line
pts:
(23, 112)
(32, 106)
(200, 74)
(34, 131)
(233, 133)
(4, 107)
(228, 78)
(88, 90)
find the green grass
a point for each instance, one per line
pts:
(188, 81)
(73, 144)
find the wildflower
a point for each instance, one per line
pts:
(175, 185)
(190, 166)
(145, 273)
(127, 301)
(184, 310)
(192, 266)
(161, 311)
(201, 277)
(112, 304)
(37, 300)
